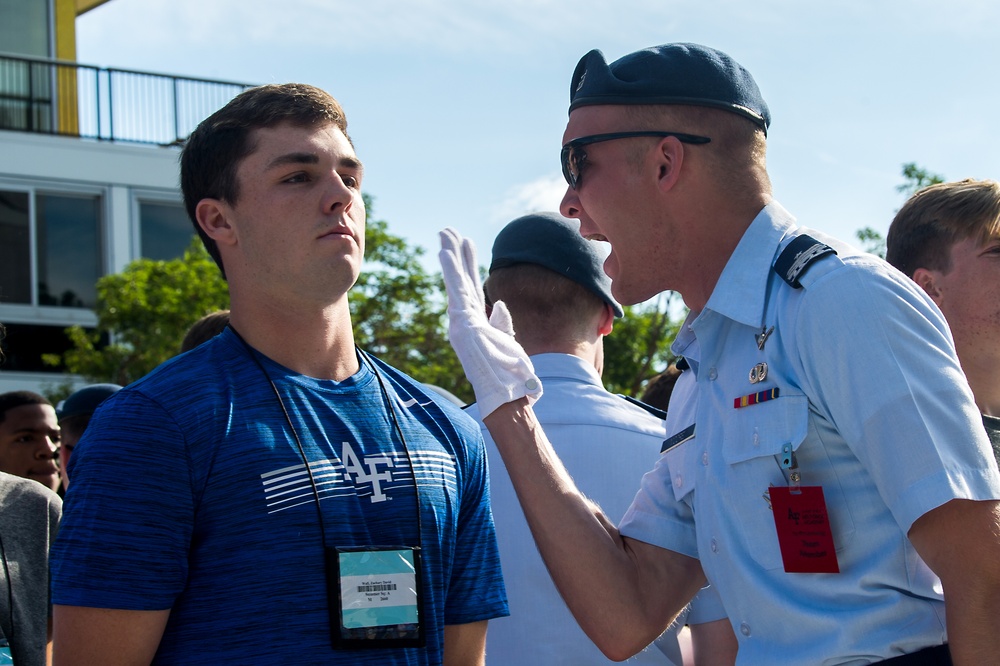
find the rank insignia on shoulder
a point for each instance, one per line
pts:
(796, 258)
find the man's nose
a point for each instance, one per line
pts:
(48, 450)
(570, 205)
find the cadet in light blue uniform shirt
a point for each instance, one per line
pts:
(827, 387)
(550, 278)
(872, 428)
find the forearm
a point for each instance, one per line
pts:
(960, 541)
(973, 611)
(623, 593)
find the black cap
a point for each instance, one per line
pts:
(554, 242)
(86, 400)
(669, 74)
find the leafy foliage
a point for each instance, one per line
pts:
(872, 241)
(142, 315)
(639, 346)
(915, 178)
(399, 311)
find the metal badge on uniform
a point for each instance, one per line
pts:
(803, 527)
(762, 337)
(375, 595)
(758, 373)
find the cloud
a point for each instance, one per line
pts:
(541, 194)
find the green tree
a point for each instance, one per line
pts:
(142, 315)
(399, 310)
(639, 346)
(915, 178)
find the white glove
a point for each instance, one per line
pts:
(495, 364)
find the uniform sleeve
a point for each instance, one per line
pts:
(476, 591)
(127, 520)
(706, 607)
(657, 516)
(908, 413)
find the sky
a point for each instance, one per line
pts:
(457, 107)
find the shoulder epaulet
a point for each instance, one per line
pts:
(796, 258)
(655, 411)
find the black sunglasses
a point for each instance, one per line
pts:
(573, 157)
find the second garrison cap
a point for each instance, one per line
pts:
(669, 74)
(554, 242)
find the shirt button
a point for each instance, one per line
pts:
(678, 480)
(756, 437)
(745, 629)
(713, 374)
(704, 458)
(715, 546)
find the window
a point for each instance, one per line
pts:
(25, 88)
(24, 344)
(165, 230)
(50, 248)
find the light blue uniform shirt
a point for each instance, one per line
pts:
(607, 444)
(880, 415)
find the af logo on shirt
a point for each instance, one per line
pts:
(368, 476)
(367, 472)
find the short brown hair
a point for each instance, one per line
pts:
(936, 217)
(213, 152)
(545, 306)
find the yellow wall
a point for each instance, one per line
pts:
(65, 20)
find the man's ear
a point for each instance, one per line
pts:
(928, 281)
(607, 321)
(214, 219)
(669, 159)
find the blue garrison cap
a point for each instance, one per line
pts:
(86, 400)
(669, 74)
(554, 242)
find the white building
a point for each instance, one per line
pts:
(88, 178)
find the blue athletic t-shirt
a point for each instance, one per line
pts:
(189, 493)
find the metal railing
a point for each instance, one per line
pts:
(67, 98)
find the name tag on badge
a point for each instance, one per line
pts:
(376, 596)
(803, 527)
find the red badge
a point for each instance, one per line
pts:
(803, 530)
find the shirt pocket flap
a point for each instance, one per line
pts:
(764, 429)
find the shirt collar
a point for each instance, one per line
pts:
(564, 366)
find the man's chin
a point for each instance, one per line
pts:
(50, 481)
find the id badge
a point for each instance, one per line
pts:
(375, 597)
(803, 526)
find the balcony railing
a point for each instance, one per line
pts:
(61, 97)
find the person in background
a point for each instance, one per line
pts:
(947, 239)
(74, 414)
(551, 282)
(205, 329)
(29, 437)
(658, 389)
(29, 520)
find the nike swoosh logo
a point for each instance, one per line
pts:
(413, 401)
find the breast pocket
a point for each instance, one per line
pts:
(755, 443)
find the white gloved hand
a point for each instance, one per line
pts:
(495, 364)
